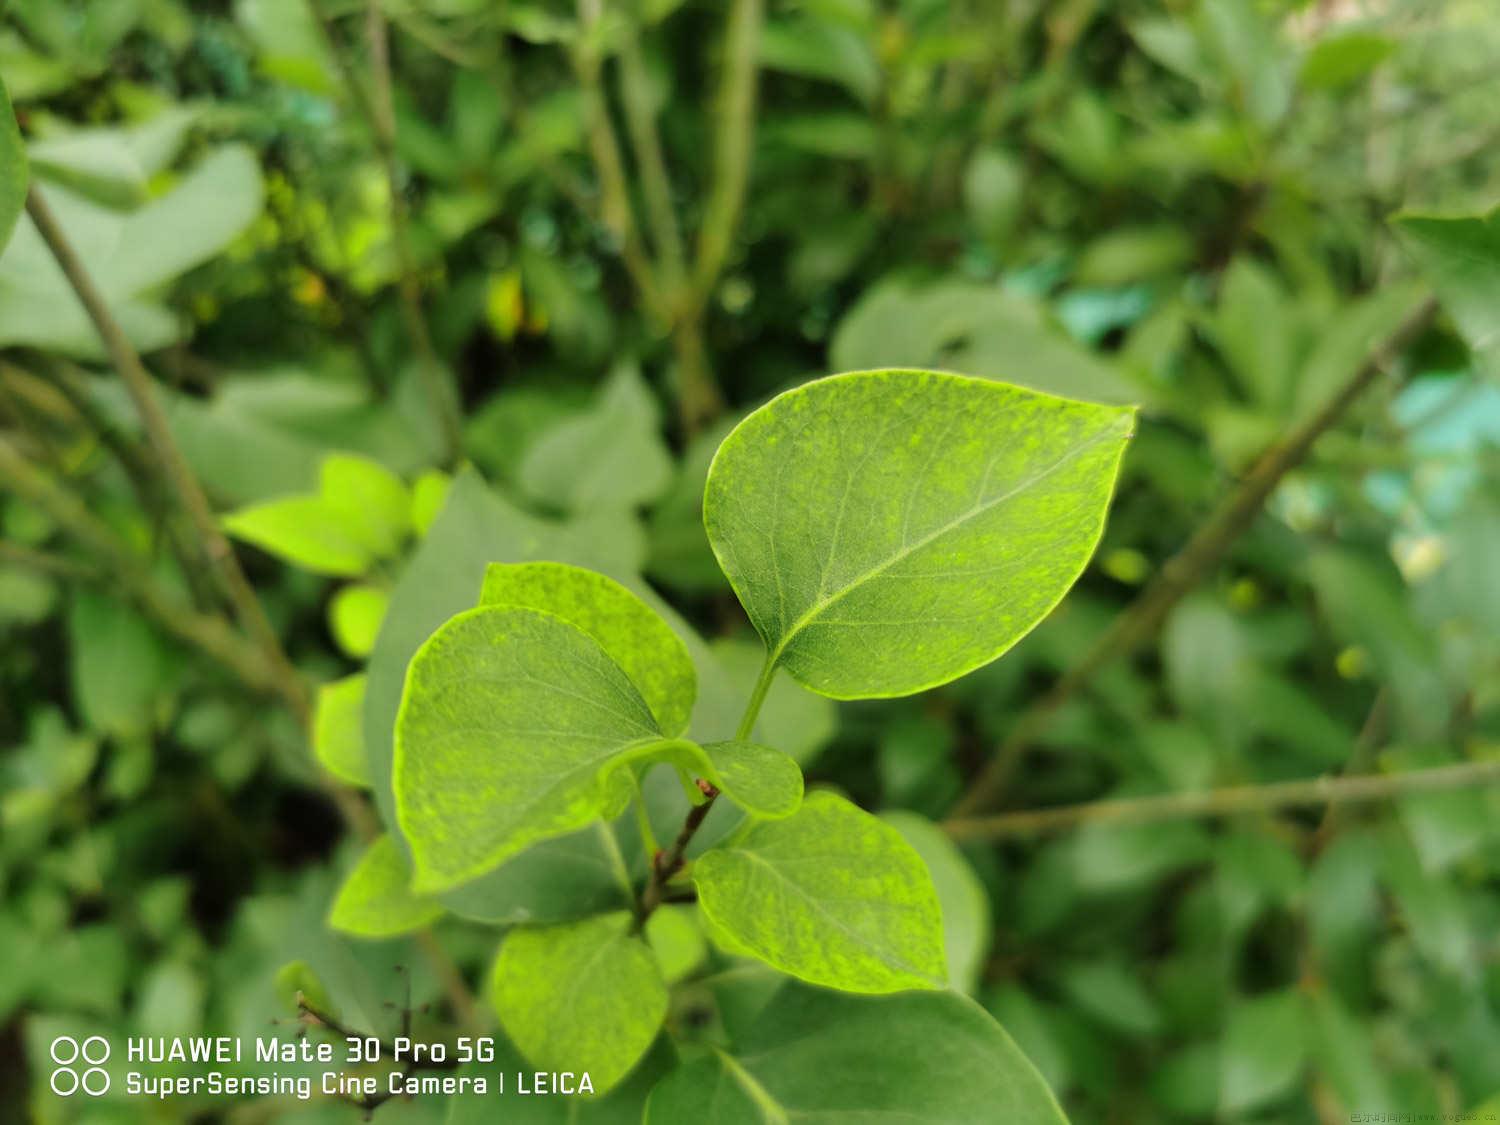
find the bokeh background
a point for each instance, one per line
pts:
(617, 227)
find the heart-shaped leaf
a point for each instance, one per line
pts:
(889, 531)
(512, 729)
(633, 634)
(583, 996)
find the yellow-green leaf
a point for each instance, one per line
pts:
(512, 729)
(338, 729)
(581, 996)
(630, 631)
(376, 899)
(889, 531)
(354, 617)
(831, 895)
(13, 171)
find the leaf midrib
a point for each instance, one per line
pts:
(909, 549)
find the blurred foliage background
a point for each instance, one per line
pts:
(568, 247)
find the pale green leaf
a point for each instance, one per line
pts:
(369, 501)
(630, 631)
(582, 996)
(979, 329)
(376, 898)
(554, 881)
(511, 729)
(13, 172)
(1461, 256)
(831, 895)
(675, 937)
(354, 617)
(338, 729)
(889, 531)
(965, 905)
(609, 456)
(924, 1058)
(303, 531)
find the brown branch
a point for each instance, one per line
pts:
(1207, 547)
(667, 863)
(1225, 802)
(217, 554)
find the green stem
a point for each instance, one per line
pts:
(757, 698)
(666, 864)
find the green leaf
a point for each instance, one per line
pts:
(354, 617)
(302, 530)
(582, 996)
(830, 895)
(928, 1058)
(965, 905)
(791, 717)
(554, 881)
(1337, 61)
(675, 937)
(368, 500)
(630, 631)
(119, 664)
(1461, 256)
(429, 492)
(889, 531)
(12, 169)
(760, 780)
(511, 729)
(611, 455)
(979, 329)
(475, 528)
(296, 981)
(376, 899)
(1264, 1051)
(338, 729)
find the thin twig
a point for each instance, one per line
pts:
(668, 863)
(208, 634)
(656, 182)
(218, 555)
(1225, 802)
(1207, 547)
(604, 149)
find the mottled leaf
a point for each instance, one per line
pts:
(889, 531)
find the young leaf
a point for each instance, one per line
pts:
(582, 996)
(510, 731)
(338, 729)
(368, 500)
(759, 779)
(928, 1058)
(354, 617)
(1461, 256)
(629, 630)
(376, 898)
(889, 531)
(831, 895)
(12, 169)
(302, 530)
(676, 939)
